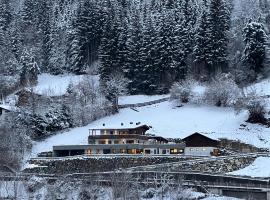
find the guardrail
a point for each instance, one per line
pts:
(148, 103)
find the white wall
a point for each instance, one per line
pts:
(199, 151)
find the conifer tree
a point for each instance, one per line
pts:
(133, 65)
(255, 46)
(218, 25)
(201, 42)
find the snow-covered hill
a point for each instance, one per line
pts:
(170, 121)
(260, 168)
(56, 85)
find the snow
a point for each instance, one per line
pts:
(261, 88)
(7, 107)
(259, 168)
(139, 99)
(221, 198)
(56, 85)
(172, 122)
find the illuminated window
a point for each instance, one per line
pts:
(174, 151)
(123, 151)
(88, 151)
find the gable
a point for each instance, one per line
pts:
(199, 140)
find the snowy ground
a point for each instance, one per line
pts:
(260, 168)
(262, 87)
(169, 121)
(53, 85)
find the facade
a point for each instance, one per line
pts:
(131, 139)
(201, 145)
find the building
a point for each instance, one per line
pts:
(125, 139)
(198, 144)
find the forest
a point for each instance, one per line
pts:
(148, 43)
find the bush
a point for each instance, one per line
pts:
(256, 109)
(255, 105)
(181, 91)
(222, 91)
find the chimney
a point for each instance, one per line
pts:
(103, 124)
(122, 124)
(131, 122)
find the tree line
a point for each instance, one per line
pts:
(151, 44)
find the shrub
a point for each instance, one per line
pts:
(256, 109)
(255, 105)
(181, 91)
(222, 91)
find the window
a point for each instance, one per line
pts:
(111, 132)
(109, 142)
(147, 151)
(88, 151)
(101, 142)
(123, 151)
(116, 141)
(163, 151)
(173, 151)
(130, 141)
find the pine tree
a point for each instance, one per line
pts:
(44, 24)
(30, 69)
(5, 14)
(255, 49)
(218, 25)
(148, 55)
(75, 49)
(201, 42)
(165, 48)
(132, 69)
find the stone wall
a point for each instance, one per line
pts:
(97, 164)
(236, 145)
(175, 163)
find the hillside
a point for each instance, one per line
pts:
(172, 122)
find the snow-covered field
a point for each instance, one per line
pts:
(169, 121)
(260, 168)
(53, 85)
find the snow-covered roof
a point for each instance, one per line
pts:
(129, 125)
